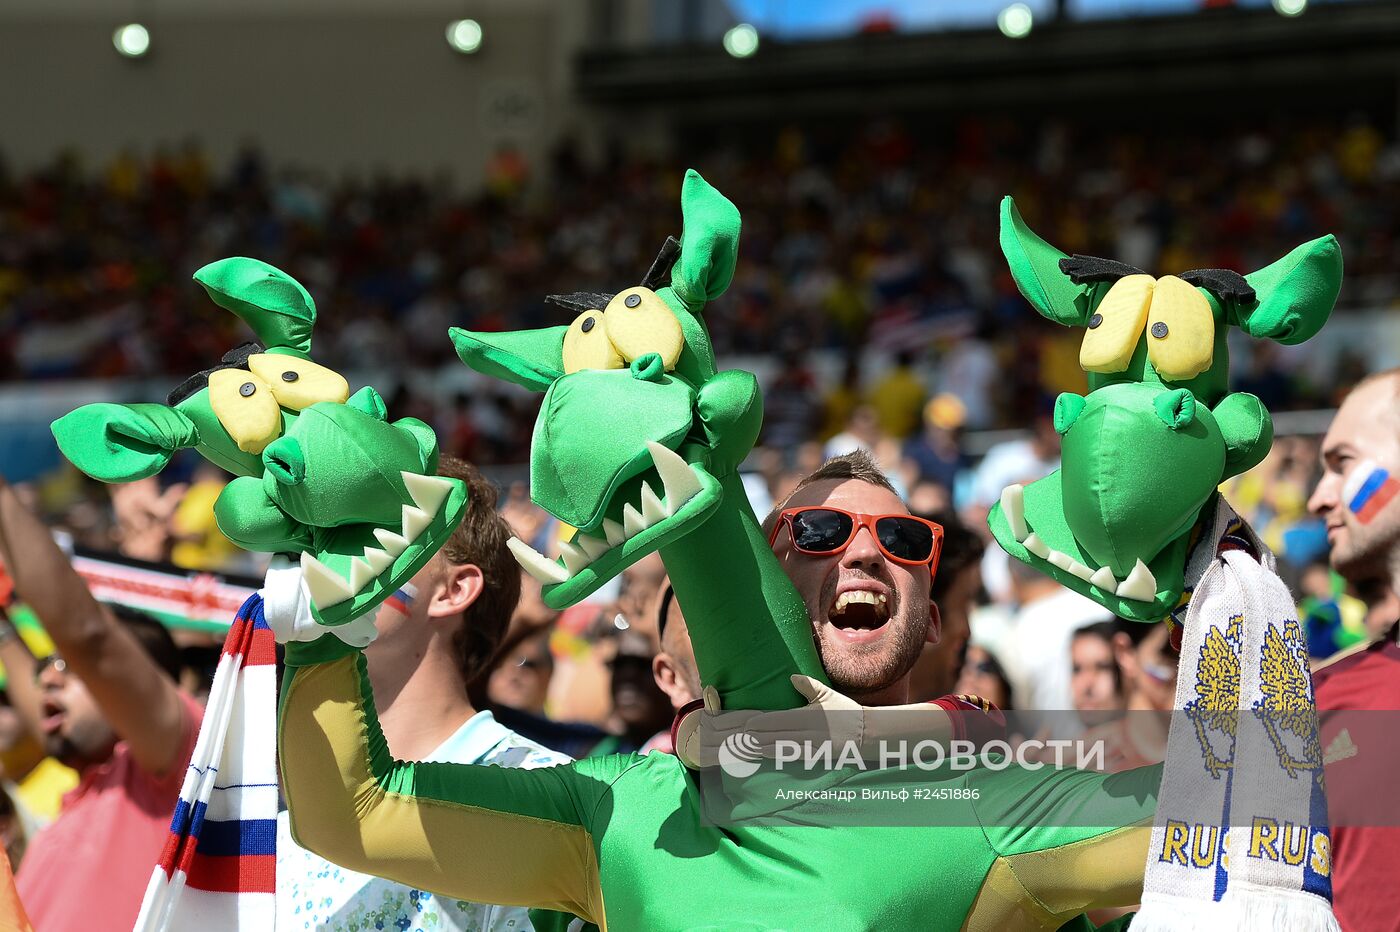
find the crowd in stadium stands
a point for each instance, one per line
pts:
(883, 241)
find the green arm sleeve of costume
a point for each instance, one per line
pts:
(1052, 863)
(747, 623)
(481, 833)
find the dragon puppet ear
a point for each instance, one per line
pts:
(123, 443)
(270, 301)
(532, 358)
(709, 244)
(1035, 265)
(1293, 296)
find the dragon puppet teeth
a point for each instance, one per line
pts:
(1013, 505)
(1140, 585)
(677, 476)
(323, 585)
(1035, 545)
(575, 558)
(590, 545)
(428, 492)
(393, 544)
(1103, 578)
(652, 509)
(615, 533)
(415, 522)
(378, 560)
(361, 574)
(536, 563)
(632, 521)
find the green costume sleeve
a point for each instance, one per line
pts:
(480, 833)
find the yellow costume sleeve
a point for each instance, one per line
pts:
(480, 833)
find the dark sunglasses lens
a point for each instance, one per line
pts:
(820, 531)
(906, 538)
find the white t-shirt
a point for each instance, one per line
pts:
(313, 894)
(1037, 657)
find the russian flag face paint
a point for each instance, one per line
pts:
(1368, 489)
(402, 600)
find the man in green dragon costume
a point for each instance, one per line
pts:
(637, 445)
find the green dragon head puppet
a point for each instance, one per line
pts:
(1159, 430)
(319, 471)
(637, 426)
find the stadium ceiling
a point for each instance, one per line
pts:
(157, 10)
(1210, 60)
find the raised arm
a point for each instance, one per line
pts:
(486, 834)
(138, 700)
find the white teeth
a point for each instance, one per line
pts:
(652, 509)
(415, 522)
(1013, 505)
(1076, 568)
(378, 560)
(591, 545)
(1035, 545)
(632, 522)
(1104, 579)
(574, 558)
(677, 476)
(323, 585)
(1062, 560)
(857, 597)
(392, 543)
(614, 533)
(1140, 585)
(360, 573)
(428, 492)
(535, 563)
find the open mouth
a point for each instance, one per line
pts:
(590, 559)
(52, 716)
(363, 578)
(1139, 585)
(859, 612)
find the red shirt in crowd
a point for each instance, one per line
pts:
(1357, 749)
(90, 868)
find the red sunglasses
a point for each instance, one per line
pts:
(821, 531)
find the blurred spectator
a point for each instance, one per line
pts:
(521, 676)
(982, 675)
(1332, 620)
(898, 398)
(1037, 653)
(1096, 680)
(937, 450)
(108, 707)
(862, 432)
(199, 544)
(956, 587)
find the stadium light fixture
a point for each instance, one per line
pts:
(741, 41)
(132, 40)
(1015, 21)
(1290, 7)
(464, 35)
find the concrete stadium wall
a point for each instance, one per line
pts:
(356, 89)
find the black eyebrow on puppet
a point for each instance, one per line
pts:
(1222, 283)
(1081, 269)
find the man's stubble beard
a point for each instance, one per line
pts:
(857, 669)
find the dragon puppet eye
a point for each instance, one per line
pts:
(1181, 330)
(586, 344)
(639, 322)
(1109, 343)
(298, 383)
(245, 406)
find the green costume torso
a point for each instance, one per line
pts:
(620, 840)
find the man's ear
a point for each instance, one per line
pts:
(935, 624)
(459, 587)
(1126, 657)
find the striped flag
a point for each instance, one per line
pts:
(1368, 488)
(218, 868)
